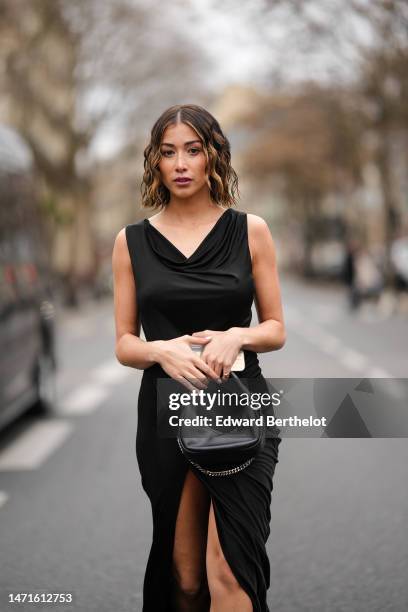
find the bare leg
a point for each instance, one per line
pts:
(190, 587)
(226, 593)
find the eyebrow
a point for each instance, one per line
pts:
(169, 144)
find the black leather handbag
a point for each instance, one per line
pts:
(223, 451)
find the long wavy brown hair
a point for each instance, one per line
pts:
(222, 178)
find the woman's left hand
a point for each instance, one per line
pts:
(222, 350)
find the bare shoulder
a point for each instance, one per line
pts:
(120, 249)
(256, 224)
(120, 243)
(259, 236)
(121, 236)
(258, 229)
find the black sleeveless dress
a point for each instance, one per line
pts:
(177, 295)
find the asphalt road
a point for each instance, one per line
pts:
(74, 518)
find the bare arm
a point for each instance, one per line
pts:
(130, 350)
(269, 334)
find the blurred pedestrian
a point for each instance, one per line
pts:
(369, 280)
(362, 274)
(349, 271)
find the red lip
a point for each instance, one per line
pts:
(182, 180)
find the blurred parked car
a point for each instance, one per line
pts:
(27, 357)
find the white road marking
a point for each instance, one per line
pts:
(353, 359)
(83, 400)
(326, 342)
(3, 498)
(321, 338)
(330, 344)
(110, 372)
(393, 386)
(378, 373)
(34, 446)
(31, 448)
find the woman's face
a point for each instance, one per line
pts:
(182, 157)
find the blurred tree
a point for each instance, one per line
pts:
(39, 55)
(73, 69)
(310, 142)
(383, 90)
(135, 59)
(362, 44)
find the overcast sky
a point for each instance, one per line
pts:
(241, 48)
(233, 50)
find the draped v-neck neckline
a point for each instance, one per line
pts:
(201, 244)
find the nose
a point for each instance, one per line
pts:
(180, 161)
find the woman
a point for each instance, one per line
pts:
(188, 275)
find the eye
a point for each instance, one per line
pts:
(195, 149)
(164, 153)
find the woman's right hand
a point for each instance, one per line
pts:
(181, 363)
